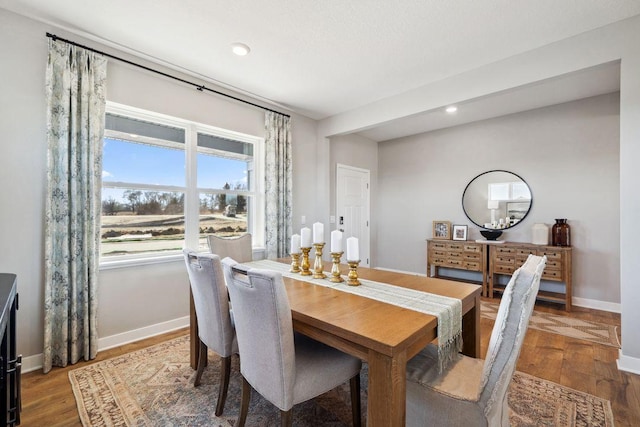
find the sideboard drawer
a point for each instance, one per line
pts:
(472, 266)
(554, 264)
(504, 259)
(503, 269)
(472, 257)
(552, 274)
(499, 250)
(473, 248)
(439, 260)
(438, 245)
(525, 252)
(551, 254)
(456, 263)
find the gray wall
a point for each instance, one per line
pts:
(133, 301)
(569, 156)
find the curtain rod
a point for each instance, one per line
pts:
(201, 88)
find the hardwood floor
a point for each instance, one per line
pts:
(48, 399)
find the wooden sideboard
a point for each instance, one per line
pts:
(493, 260)
(507, 257)
(460, 255)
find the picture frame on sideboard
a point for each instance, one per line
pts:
(442, 230)
(460, 232)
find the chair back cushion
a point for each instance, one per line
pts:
(507, 337)
(237, 248)
(265, 331)
(211, 301)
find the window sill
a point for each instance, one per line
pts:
(110, 264)
(135, 262)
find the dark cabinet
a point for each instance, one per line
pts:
(10, 362)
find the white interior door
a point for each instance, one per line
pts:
(352, 207)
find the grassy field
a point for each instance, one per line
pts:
(129, 234)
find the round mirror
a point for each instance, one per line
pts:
(496, 200)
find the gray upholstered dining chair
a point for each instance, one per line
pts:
(285, 368)
(216, 328)
(473, 392)
(237, 248)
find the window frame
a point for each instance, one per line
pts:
(256, 218)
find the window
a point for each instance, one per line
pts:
(168, 183)
(517, 190)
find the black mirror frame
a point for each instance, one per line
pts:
(484, 173)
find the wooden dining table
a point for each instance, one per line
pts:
(384, 335)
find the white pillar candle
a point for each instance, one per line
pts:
(318, 232)
(305, 237)
(336, 241)
(353, 251)
(295, 244)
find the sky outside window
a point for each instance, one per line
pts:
(132, 162)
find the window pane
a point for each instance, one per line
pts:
(141, 128)
(223, 163)
(499, 191)
(224, 215)
(520, 191)
(129, 161)
(135, 221)
(229, 146)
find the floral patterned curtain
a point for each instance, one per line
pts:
(75, 86)
(278, 184)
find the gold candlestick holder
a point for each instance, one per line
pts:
(305, 262)
(295, 263)
(317, 265)
(335, 269)
(353, 273)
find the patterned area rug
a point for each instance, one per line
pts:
(154, 387)
(563, 325)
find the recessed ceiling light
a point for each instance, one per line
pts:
(451, 109)
(240, 49)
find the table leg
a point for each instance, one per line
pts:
(386, 389)
(471, 330)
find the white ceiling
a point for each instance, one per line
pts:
(322, 58)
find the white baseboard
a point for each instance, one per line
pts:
(628, 363)
(34, 362)
(400, 271)
(31, 363)
(613, 307)
(142, 333)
